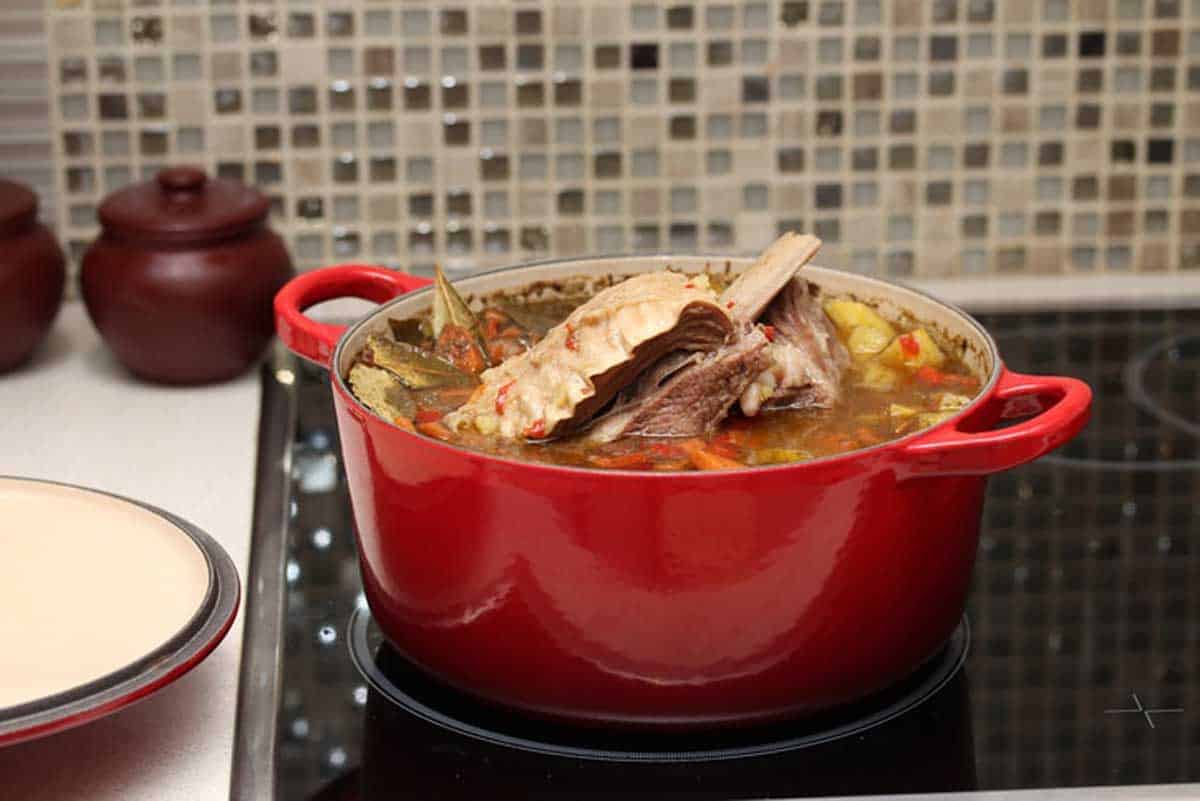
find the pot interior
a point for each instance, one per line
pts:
(956, 330)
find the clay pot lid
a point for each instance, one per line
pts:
(182, 204)
(18, 207)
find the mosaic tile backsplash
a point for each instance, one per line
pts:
(918, 139)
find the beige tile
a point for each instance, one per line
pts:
(494, 22)
(606, 94)
(226, 140)
(942, 121)
(567, 19)
(644, 131)
(189, 105)
(793, 53)
(792, 198)
(533, 202)
(753, 162)
(721, 92)
(606, 21)
(681, 164)
(383, 208)
(645, 202)
(308, 173)
(302, 64)
(1016, 10)
(980, 83)
(185, 30)
(570, 239)
(72, 34)
(1055, 82)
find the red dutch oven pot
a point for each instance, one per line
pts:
(672, 599)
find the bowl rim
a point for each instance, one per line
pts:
(985, 392)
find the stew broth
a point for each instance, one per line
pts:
(898, 382)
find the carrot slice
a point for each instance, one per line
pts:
(635, 460)
(428, 416)
(405, 423)
(931, 376)
(704, 459)
(435, 429)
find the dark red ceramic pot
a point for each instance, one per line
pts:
(684, 599)
(32, 274)
(180, 282)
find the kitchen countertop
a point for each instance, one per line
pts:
(75, 415)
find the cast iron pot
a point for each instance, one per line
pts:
(671, 599)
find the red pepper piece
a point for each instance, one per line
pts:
(910, 345)
(502, 396)
(769, 332)
(535, 430)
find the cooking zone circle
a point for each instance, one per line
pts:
(391, 675)
(1145, 378)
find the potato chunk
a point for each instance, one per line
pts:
(866, 341)
(912, 350)
(878, 377)
(849, 315)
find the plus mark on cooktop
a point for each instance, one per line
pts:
(1141, 709)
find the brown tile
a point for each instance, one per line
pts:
(1014, 119)
(1093, 10)
(1127, 117)
(1154, 257)
(1164, 43)
(907, 13)
(1119, 223)
(1046, 260)
(868, 86)
(1122, 187)
(1189, 221)
(1017, 10)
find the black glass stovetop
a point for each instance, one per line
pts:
(1084, 624)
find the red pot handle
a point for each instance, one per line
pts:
(1059, 406)
(316, 341)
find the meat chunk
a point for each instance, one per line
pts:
(693, 397)
(750, 293)
(562, 381)
(807, 358)
(688, 396)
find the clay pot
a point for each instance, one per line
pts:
(181, 280)
(32, 274)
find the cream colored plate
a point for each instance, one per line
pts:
(89, 584)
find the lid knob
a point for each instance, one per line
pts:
(182, 180)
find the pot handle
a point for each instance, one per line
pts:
(316, 341)
(1057, 408)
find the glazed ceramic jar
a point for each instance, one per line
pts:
(32, 274)
(181, 280)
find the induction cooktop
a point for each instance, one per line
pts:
(1077, 666)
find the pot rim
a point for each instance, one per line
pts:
(984, 393)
